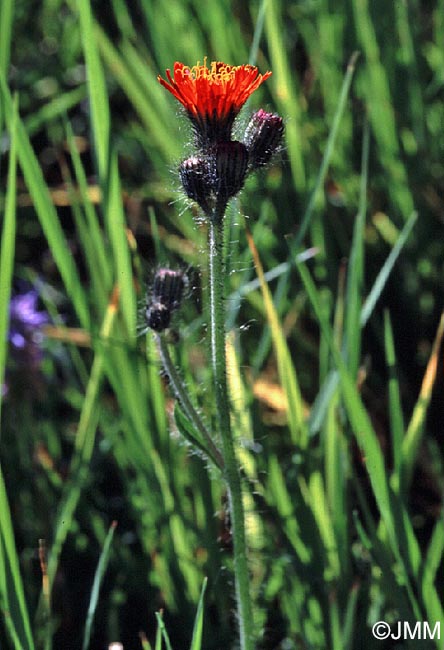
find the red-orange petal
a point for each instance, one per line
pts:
(217, 91)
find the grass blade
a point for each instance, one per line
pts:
(98, 577)
(286, 93)
(6, 31)
(59, 106)
(258, 30)
(7, 249)
(287, 372)
(386, 269)
(12, 596)
(46, 212)
(413, 436)
(284, 503)
(98, 95)
(99, 263)
(158, 641)
(84, 443)
(321, 403)
(380, 105)
(401, 537)
(322, 514)
(329, 148)
(196, 641)
(355, 278)
(433, 557)
(144, 641)
(350, 617)
(358, 416)
(162, 628)
(395, 407)
(115, 223)
(141, 98)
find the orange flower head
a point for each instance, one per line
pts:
(213, 96)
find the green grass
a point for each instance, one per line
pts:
(334, 318)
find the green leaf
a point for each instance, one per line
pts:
(326, 391)
(116, 228)
(84, 444)
(189, 431)
(286, 369)
(380, 106)
(162, 628)
(386, 269)
(415, 429)
(12, 597)
(98, 95)
(326, 159)
(6, 31)
(196, 641)
(395, 407)
(8, 247)
(149, 101)
(57, 107)
(355, 275)
(357, 413)
(98, 578)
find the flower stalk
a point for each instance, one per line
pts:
(232, 473)
(209, 447)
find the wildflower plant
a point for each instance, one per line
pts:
(211, 175)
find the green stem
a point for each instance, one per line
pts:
(232, 473)
(209, 448)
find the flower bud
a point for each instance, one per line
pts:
(231, 162)
(263, 137)
(196, 181)
(165, 297)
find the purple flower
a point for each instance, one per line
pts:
(25, 323)
(25, 338)
(23, 310)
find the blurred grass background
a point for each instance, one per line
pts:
(337, 401)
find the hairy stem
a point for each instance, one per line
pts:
(209, 447)
(232, 473)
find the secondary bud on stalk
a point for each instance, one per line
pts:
(213, 179)
(263, 137)
(196, 181)
(164, 297)
(231, 162)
